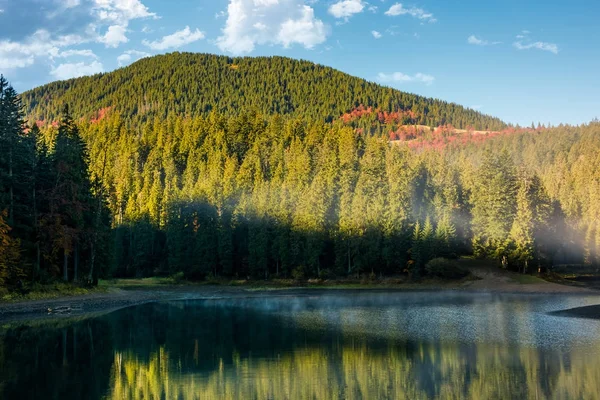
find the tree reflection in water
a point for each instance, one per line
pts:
(353, 347)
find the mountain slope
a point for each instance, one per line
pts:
(194, 84)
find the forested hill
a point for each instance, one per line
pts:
(263, 196)
(191, 85)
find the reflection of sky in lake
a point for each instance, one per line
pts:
(452, 317)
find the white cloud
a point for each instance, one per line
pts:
(376, 34)
(175, 40)
(524, 43)
(398, 9)
(117, 14)
(62, 24)
(40, 44)
(124, 59)
(399, 77)
(260, 26)
(15, 61)
(259, 22)
(475, 40)
(306, 31)
(114, 36)
(480, 42)
(551, 47)
(131, 55)
(62, 8)
(76, 70)
(79, 53)
(346, 8)
(70, 3)
(120, 12)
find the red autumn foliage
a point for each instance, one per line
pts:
(408, 132)
(100, 114)
(443, 137)
(355, 114)
(384, 117)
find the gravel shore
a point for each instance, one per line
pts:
(115, 298)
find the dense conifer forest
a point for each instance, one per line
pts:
(270, 167)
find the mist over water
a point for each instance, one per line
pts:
(326, 345)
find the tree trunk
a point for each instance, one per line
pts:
(11, 209)
(36, 267)
(100, 194)
(38, 259)
(95, 237)
(65, 265)
(349, 260)
(76, 263)
(319, 266)
(92, 261)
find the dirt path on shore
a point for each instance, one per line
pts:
(488, 280)
(497, 280)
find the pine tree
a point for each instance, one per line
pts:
(70, 197)
(41, 176)
(445, 237)
(369, 204)
(521, 234)
(589, 244)
(417, 265)
(427, 238)
(205, 256)
(398, 209)
(348, 151)
(493, 205)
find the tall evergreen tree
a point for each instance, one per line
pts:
(493, 199)
(417, 265)
(70, 197)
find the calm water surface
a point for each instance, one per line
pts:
(326, 346)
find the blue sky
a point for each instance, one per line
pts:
(520, 60)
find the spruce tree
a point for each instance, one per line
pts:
(494, 206)
(428, 242)
(70, 198)
(416, 252)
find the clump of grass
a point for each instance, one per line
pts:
(446, 269)
(527, 279)
(125, 283)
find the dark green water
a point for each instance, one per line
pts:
(326, 346)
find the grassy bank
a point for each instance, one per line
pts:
(281, 283)
(484, 275)
(49, 291)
